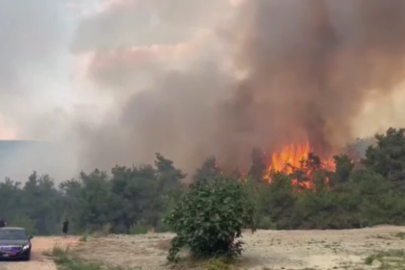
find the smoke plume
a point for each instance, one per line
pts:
(297, 71)
(191, 79)
(311, 66)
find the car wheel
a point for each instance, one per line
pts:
(28, 257)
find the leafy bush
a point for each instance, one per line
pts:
(265, 223)
(210, 217)
(66, 259)
(139, 228)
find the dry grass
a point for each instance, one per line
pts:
(387, 260)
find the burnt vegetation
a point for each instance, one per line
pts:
(209, 215)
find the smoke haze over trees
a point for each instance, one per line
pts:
(116, 81)
(135, 199)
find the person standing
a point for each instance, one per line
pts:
(65, 227)
(2, 223)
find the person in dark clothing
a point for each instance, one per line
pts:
(2, 223)
(65, 228)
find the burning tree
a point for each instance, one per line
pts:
(299, 162)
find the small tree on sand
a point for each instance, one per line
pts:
(210, 217)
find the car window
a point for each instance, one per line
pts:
(12, 235)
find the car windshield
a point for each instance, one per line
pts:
(12, 235)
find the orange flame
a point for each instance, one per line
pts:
(293, 158)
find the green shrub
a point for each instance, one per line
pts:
(218, 264)
(24, 222)
(139, 228)
(265, 223)
(210, 217)
(66, 259)
(162, 227)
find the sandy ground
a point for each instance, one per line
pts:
(38, 260)
(275, 250)
(345, 249)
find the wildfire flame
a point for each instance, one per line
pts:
(293, 158)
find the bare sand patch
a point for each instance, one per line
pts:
(316, 249)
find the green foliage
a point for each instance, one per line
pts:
(219, 263)
(67, 260)
(96, 202)
(277, 201)
(24, 222)
(344, 168)
(387, 260)
(131, 189)
(139, 228)
(258, 167)
(357, 195)
(94, 199)
(387, 158)
(265, 223)
(210, 218)
(209, 169)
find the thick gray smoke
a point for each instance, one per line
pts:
(33, 35)
(190, 79)
(31, 43)
(306, 69)
(165, 67)
(311, 67)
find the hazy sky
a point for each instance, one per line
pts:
(115, 81)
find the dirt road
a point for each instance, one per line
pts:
(38, 260)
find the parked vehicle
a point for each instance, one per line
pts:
(15, 243)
